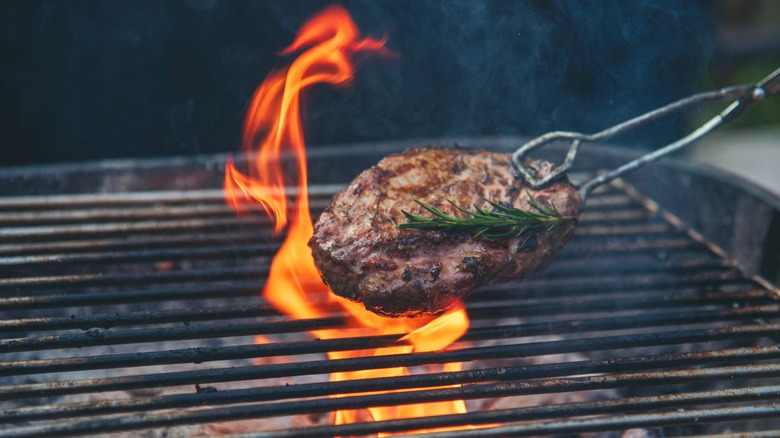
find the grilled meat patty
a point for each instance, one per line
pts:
(362, 255)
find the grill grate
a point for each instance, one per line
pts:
(136, 311)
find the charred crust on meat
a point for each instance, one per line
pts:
(476, 267)
(382, 266)
(473, 265)
(457, 167)
(486, 177)
(529, 243)
(470, 262)
(408, 240)
(381, 173)
(435, 271)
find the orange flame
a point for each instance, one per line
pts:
(273, 129)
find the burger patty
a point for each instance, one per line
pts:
(362, 255)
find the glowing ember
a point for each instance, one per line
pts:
(273, 128)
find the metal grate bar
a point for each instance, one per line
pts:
(474, 391)
(111, 320)
(92, 299)
(114, 199)
(143, 198)
(100, 214)
(560, 369)
(149, 242)
(584, 304)
(205, 354)
(628, 404)
(54, 232)
(219, 252)
(144, 278)
(245, 288)
(622, 422)
(252, 272)
(95, 336)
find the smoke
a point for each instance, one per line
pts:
(94, 79)
(525, 68)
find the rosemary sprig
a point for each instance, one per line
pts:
(501, 221)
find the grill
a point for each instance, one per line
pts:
(130, 301)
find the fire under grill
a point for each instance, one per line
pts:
(130, 304)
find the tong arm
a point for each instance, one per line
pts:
(743, 95)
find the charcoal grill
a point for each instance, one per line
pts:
(130, 299)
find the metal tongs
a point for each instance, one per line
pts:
(744, 96)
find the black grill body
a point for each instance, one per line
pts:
(131, 300)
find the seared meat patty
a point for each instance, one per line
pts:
(362, 255)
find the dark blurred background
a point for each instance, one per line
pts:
(100, 79)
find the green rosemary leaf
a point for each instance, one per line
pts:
(500, 222)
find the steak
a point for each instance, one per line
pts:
(362, 255)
